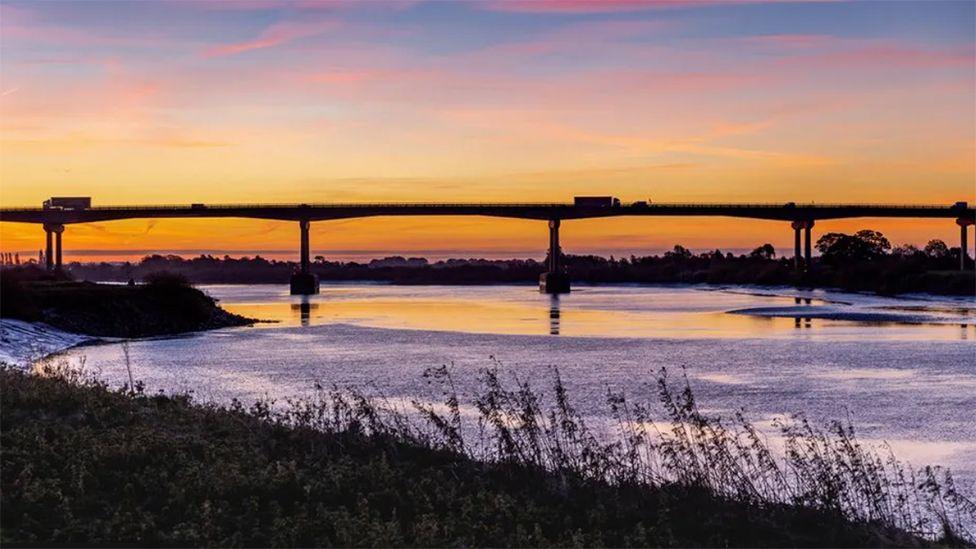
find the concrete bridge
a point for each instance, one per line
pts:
(801, 217)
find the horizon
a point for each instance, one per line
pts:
(501, 101)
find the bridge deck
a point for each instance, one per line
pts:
(320, 212)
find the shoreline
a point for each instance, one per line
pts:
(19, 338)
(704, 286)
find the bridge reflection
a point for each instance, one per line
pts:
(554, 315)
(807, 322)
(304, 309)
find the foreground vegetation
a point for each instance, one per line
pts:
(83, 464)
(166, 304)
(864, 261)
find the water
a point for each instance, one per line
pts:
(904, 370)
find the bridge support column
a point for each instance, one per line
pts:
(304, 282)
(49, 248)
(807, 245)
(58, 230)
(797, 251)
(554, 280)
(963, 241)
(52, 252)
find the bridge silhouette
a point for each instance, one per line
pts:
(802, 218)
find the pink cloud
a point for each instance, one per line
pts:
(884, 55)
(607, 6)
(277, 34)
(585, 6)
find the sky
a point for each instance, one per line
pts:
(176, 102)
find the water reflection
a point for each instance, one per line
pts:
(304, 310)
(554, 315)
(595, 312)
(807, 322)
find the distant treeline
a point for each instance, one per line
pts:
(864, 261)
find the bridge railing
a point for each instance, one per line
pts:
(485, 205)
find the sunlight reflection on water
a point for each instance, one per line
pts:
(909, 378)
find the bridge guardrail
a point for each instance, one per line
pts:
(658, 205)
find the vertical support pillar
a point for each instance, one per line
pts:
(808, 244)
(304, 225)
(304, 282)
(49, 249)
(963, 241)
(58, 230)
(554, 250)
(554, 280)
(797, 252)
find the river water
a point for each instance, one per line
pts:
(903, 370)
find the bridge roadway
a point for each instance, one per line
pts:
(542, 211)
(801, 216)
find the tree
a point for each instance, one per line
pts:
(906, 250)
(679, 252)
(875, 240)
(866, 245)
(936, 249)
(766, 251)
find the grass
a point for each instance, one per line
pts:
(86, 464)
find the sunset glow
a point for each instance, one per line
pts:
(497, 101)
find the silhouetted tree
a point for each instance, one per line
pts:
(679, 252)
(936, 249)
(907, 250)
(766, 251)
(865, 245)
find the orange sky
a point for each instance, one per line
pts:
(180, 102)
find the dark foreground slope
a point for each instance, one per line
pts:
(85, 465)
(162, 307)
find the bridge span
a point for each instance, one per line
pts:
(802, 218)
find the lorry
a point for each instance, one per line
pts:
(68, 203)
(595, 201)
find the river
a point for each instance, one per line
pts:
(903, 370)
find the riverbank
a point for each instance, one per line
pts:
(160, 307)
(160, 470)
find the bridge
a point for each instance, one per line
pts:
(801, 217)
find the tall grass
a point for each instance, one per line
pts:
(664, 441)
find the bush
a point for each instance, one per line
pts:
(166, 279)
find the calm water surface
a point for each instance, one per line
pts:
(903, 369)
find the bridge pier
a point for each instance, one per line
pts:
(963, 241)
(802, 260)
(52, 252)
(797, 251)
(808, 245)
(49, 248)
(554, 280)
(304, 282)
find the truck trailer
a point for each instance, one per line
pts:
(68, 203)
(595, 201)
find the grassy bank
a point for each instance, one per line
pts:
(83, 464)
(163, 306)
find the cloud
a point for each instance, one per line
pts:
(586, 6)
(275, 35)
(610, 6)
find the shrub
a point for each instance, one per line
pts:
(166, 279)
